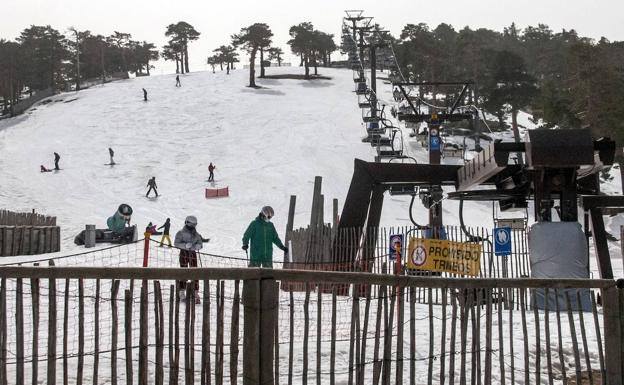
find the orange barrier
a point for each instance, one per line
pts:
(217, 192)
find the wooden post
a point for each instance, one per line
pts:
(584, 337)
(319, 320)
(315, 215)
(332, 351)
(159, 318)
(251, 332)
(52, 330)
(290, 224)
(34, 288)
(114, 331)
(80, 332)
(306, 334)
(220, 327)
(188, 375)
(89, 236)
(598, 336)
(335, 219)
(365, 336)
(234, 332)
(577, 356)
(400, 322)
(205, 355)
(3, 332)
(143, 335)
(66, 333)
(96, 331)
(128, 335)
(559, 337)
(19, 328)
(259, 301)
(291, 349)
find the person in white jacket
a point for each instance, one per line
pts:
(189, 241)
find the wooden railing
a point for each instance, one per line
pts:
(79, 323)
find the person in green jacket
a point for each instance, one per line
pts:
(262, 235)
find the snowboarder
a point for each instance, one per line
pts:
(44, 169)
(165, 236)
(144, 94)
(152, 186)
(112, 154)
(189, 241)
(57, 157)
(262, 235)
(211, 168)
(178, 84)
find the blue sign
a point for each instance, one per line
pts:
(395, 246)
(502, 241)
(434, 143)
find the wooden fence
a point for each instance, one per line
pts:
(28, 234)
(476, 336)
(10, 218)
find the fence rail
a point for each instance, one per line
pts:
(84, 323)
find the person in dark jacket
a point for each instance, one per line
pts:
(262, 235)
(144, 94)
(189, 241)
(165, 236)
(178, 84)
(152, 186)
(57, 157)
(112, 154)
(211, 168)
(44, 169)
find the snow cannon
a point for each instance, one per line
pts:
(117, 223)
(118, 231)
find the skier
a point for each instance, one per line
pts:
(178, 84)
(152, 186)
(211, 168)
(262, 235)
(189, 241)
(44, 169)
(57, 157)
(144, 94)
(165, 235)
(112, 154)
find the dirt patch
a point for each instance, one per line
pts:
(297, 77)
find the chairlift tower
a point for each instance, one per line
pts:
(433, 200)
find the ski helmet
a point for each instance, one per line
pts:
(267, 211)
(190, 221)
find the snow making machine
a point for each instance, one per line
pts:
(119, 229)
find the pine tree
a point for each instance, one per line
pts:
(251, 39)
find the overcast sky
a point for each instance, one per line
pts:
(218, 19)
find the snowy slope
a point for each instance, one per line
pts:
(267, 144)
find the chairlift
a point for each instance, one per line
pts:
(362, 89)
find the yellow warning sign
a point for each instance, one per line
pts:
(444, 256)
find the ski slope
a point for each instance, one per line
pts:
(267, 144)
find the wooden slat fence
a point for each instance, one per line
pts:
(381, 337)
(28, 234)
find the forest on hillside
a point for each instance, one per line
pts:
(567, 80)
